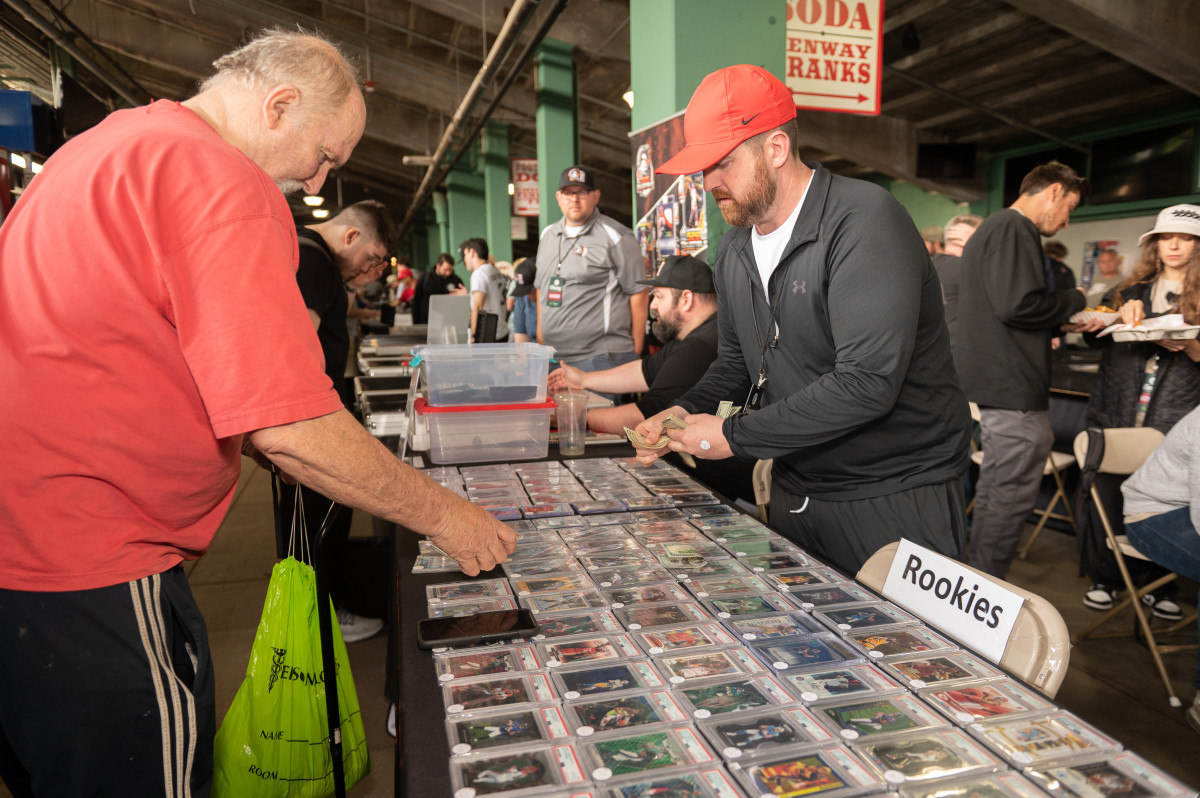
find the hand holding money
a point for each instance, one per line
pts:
(670, 422)
(698, 435)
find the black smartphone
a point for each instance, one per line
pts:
(482, 627)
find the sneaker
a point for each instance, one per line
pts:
(355, 627)
(1101, 597)
(391, 721)
(1163, 608)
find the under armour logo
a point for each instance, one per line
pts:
(800, 285)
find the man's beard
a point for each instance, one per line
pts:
(665, 329)
(289, 186)
(752, 208)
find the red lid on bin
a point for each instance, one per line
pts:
(422, 407)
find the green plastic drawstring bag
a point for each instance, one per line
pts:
(274, 741)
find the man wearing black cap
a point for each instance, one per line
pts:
(522, 302)
(590, 306)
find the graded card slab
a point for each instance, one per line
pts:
(520, 770)
(771, 627)
(942, 669)
(625, 577)
(670, 536)
(617, 677)
(466, 591)
(898, 642)
(627, 559)
(763, 732)
(1035, 740)
(710, 586)
(562, 624)
(689, 498)
(803, 577)
(923, 756)
(526, 586)
(691, 562)
(465, 663)
(851, 681)
(745, 547)
(498, 728)
(505, 512)
(521, 526)
(805, 653)
(748, 605)
(702, 549)
(586, 534)
(703, 782)
(570, 651)
(647, 516)
(724, 523)
(709, 664)
(779, 561)
(588, 599)
(649, 503)
(434, 564)
(552, 565)
(638, 529)
(598, 716)
(831, 772)
(992, 785)
(607, 545)
(973, 701)
(652, 615)
(547, 510)
(457, 609)
(863, 718)
(738, 694)
(1123, 775)
(689, 637)
(645, 594)
(858, 617)
(711, 511)
(539, 549)
(600, 506)
(726, 567)
(563, 522)
(465, 696)
(601, 520)
(659, 749)
(822, 596)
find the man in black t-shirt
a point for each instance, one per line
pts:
(441, 279)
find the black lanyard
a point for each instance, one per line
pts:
(754, 398)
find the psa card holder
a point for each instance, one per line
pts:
(654, 615)
(804, 653)
(468, 663)
(977, 701)
(819, 597)
(434, 564)
(566, 624)
(701, 782)
(998, 785)
(480, 731)
(830, 771)
(724, 536)
(748, 605)
(691, 667)
(779, 561)
(631, 576)
(711, 511)
(1039, 739)
(649, 503)
(774, 627)
(539, 549)
(714, 586)
(737, 694)
(757, 546)
(520, 526)
(1126, 772)
(640, 529)
(704, 549)
(799, 578)
(665, 592)
(607, 678)
(840, 683)
(725, 567)
(533, 585)
(469, 695)
(547, 510)
(858, 617)
(941, 669)
(519, 771)
(672, 536)
(458, 609)
(686, 637)
(715, 523)
(762, 732)
(605, 545)
(466, 591)
(648, 516)
(599, 716)
(925, 756)
(562, 522)
(858, 718)
(588, 649)
(641, 752)
(625, 559)
(551, 565)
(600, 506)
(901, 641)
(585, 534)
(586, 599)
(689, 497)
(601, 520)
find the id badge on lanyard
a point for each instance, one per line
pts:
(554, 292)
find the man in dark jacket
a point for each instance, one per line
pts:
(1006, 318)
(830, 320)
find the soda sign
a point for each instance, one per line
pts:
(524, 175)
(835, 54)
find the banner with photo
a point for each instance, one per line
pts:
(669, 209)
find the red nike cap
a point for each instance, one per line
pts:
(728, 107)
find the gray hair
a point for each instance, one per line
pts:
(303, 58)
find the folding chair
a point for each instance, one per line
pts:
(1125, 449)
(761, 482)
(1056, 462)
(1038, 648)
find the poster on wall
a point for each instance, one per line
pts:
(669, 209)
(835, 54)
(526, 199)
(1091, 251)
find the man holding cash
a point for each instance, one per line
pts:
(831, 325)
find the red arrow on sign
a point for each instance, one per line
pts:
(860, 97)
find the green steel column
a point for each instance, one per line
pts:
(557, 122)
(495, 190)
(673, 44)
(464, 201)
(418, 246)
(441, 221)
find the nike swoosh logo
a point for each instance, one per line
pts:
(746, 121)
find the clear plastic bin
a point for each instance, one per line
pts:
(486, 433)
(485, 374)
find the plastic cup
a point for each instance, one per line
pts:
(572, 422)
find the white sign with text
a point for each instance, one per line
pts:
(977, 611)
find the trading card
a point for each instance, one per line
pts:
(617, 677)
(521, 526)
(671, 747)
(457, 609)
(861, 718)
(505, 512)
(972, 701)
(685, 562)
(1123, 775)
(758, 546)
(587, 599)
(726, 567)
(709, 782)
(610, 519)
(646, 516)
(561, 652)
(610, 544)
(986, 785)
(584, 534)
(640, 558)
(645, 594)
(463, 591)
(763, 731)
(736, 694)
(550, 584)
(496, 729)
(831, 770)
(597, 716)
(824, 686)
(524, 768)
(649, 503)
(538, 549)
(562, 624)
(465, 663)
(679, 638)
(710, 664)
(864, 616)
(547, 510)
(625, 577)
(728, 522)
(552, 565)
(711, 511)
(600, 506)
(638, 529)
(941, 669)
(803, 577)
(820, 596)
(691, 498)
(560, 496)
(769, 627)
(1034, 740)
(804, 653)
(434, 563)
(748, 605)
(901, 641)
(703, 548)
(778, 561)
(706, 586)
(641, 617)
(463, 696)
(942, 753)
(562, 522)
(672, 536)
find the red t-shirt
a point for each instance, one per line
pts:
(149, 315)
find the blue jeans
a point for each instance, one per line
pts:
(524, 317)
(606, 361)
(1171, 540)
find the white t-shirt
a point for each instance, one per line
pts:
(769, 248)
(488, 280)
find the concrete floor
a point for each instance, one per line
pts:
(1110, 683)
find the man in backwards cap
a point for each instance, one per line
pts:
(831, 323)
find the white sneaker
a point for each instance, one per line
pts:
(1163, 608)
(355, 627)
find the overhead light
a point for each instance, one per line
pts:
(17, 161)
(417, 160)
(320, 213)
(628, 98)
(511, 189)
(36, 167)
(314, 200)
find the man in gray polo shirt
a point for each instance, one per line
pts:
(590, 306)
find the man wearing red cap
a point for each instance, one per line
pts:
(831, 322)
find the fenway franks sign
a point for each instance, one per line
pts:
(835, 54)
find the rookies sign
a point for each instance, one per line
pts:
(835, 54)
(949, 595)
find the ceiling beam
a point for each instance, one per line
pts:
(963, 39)
(909, 12)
